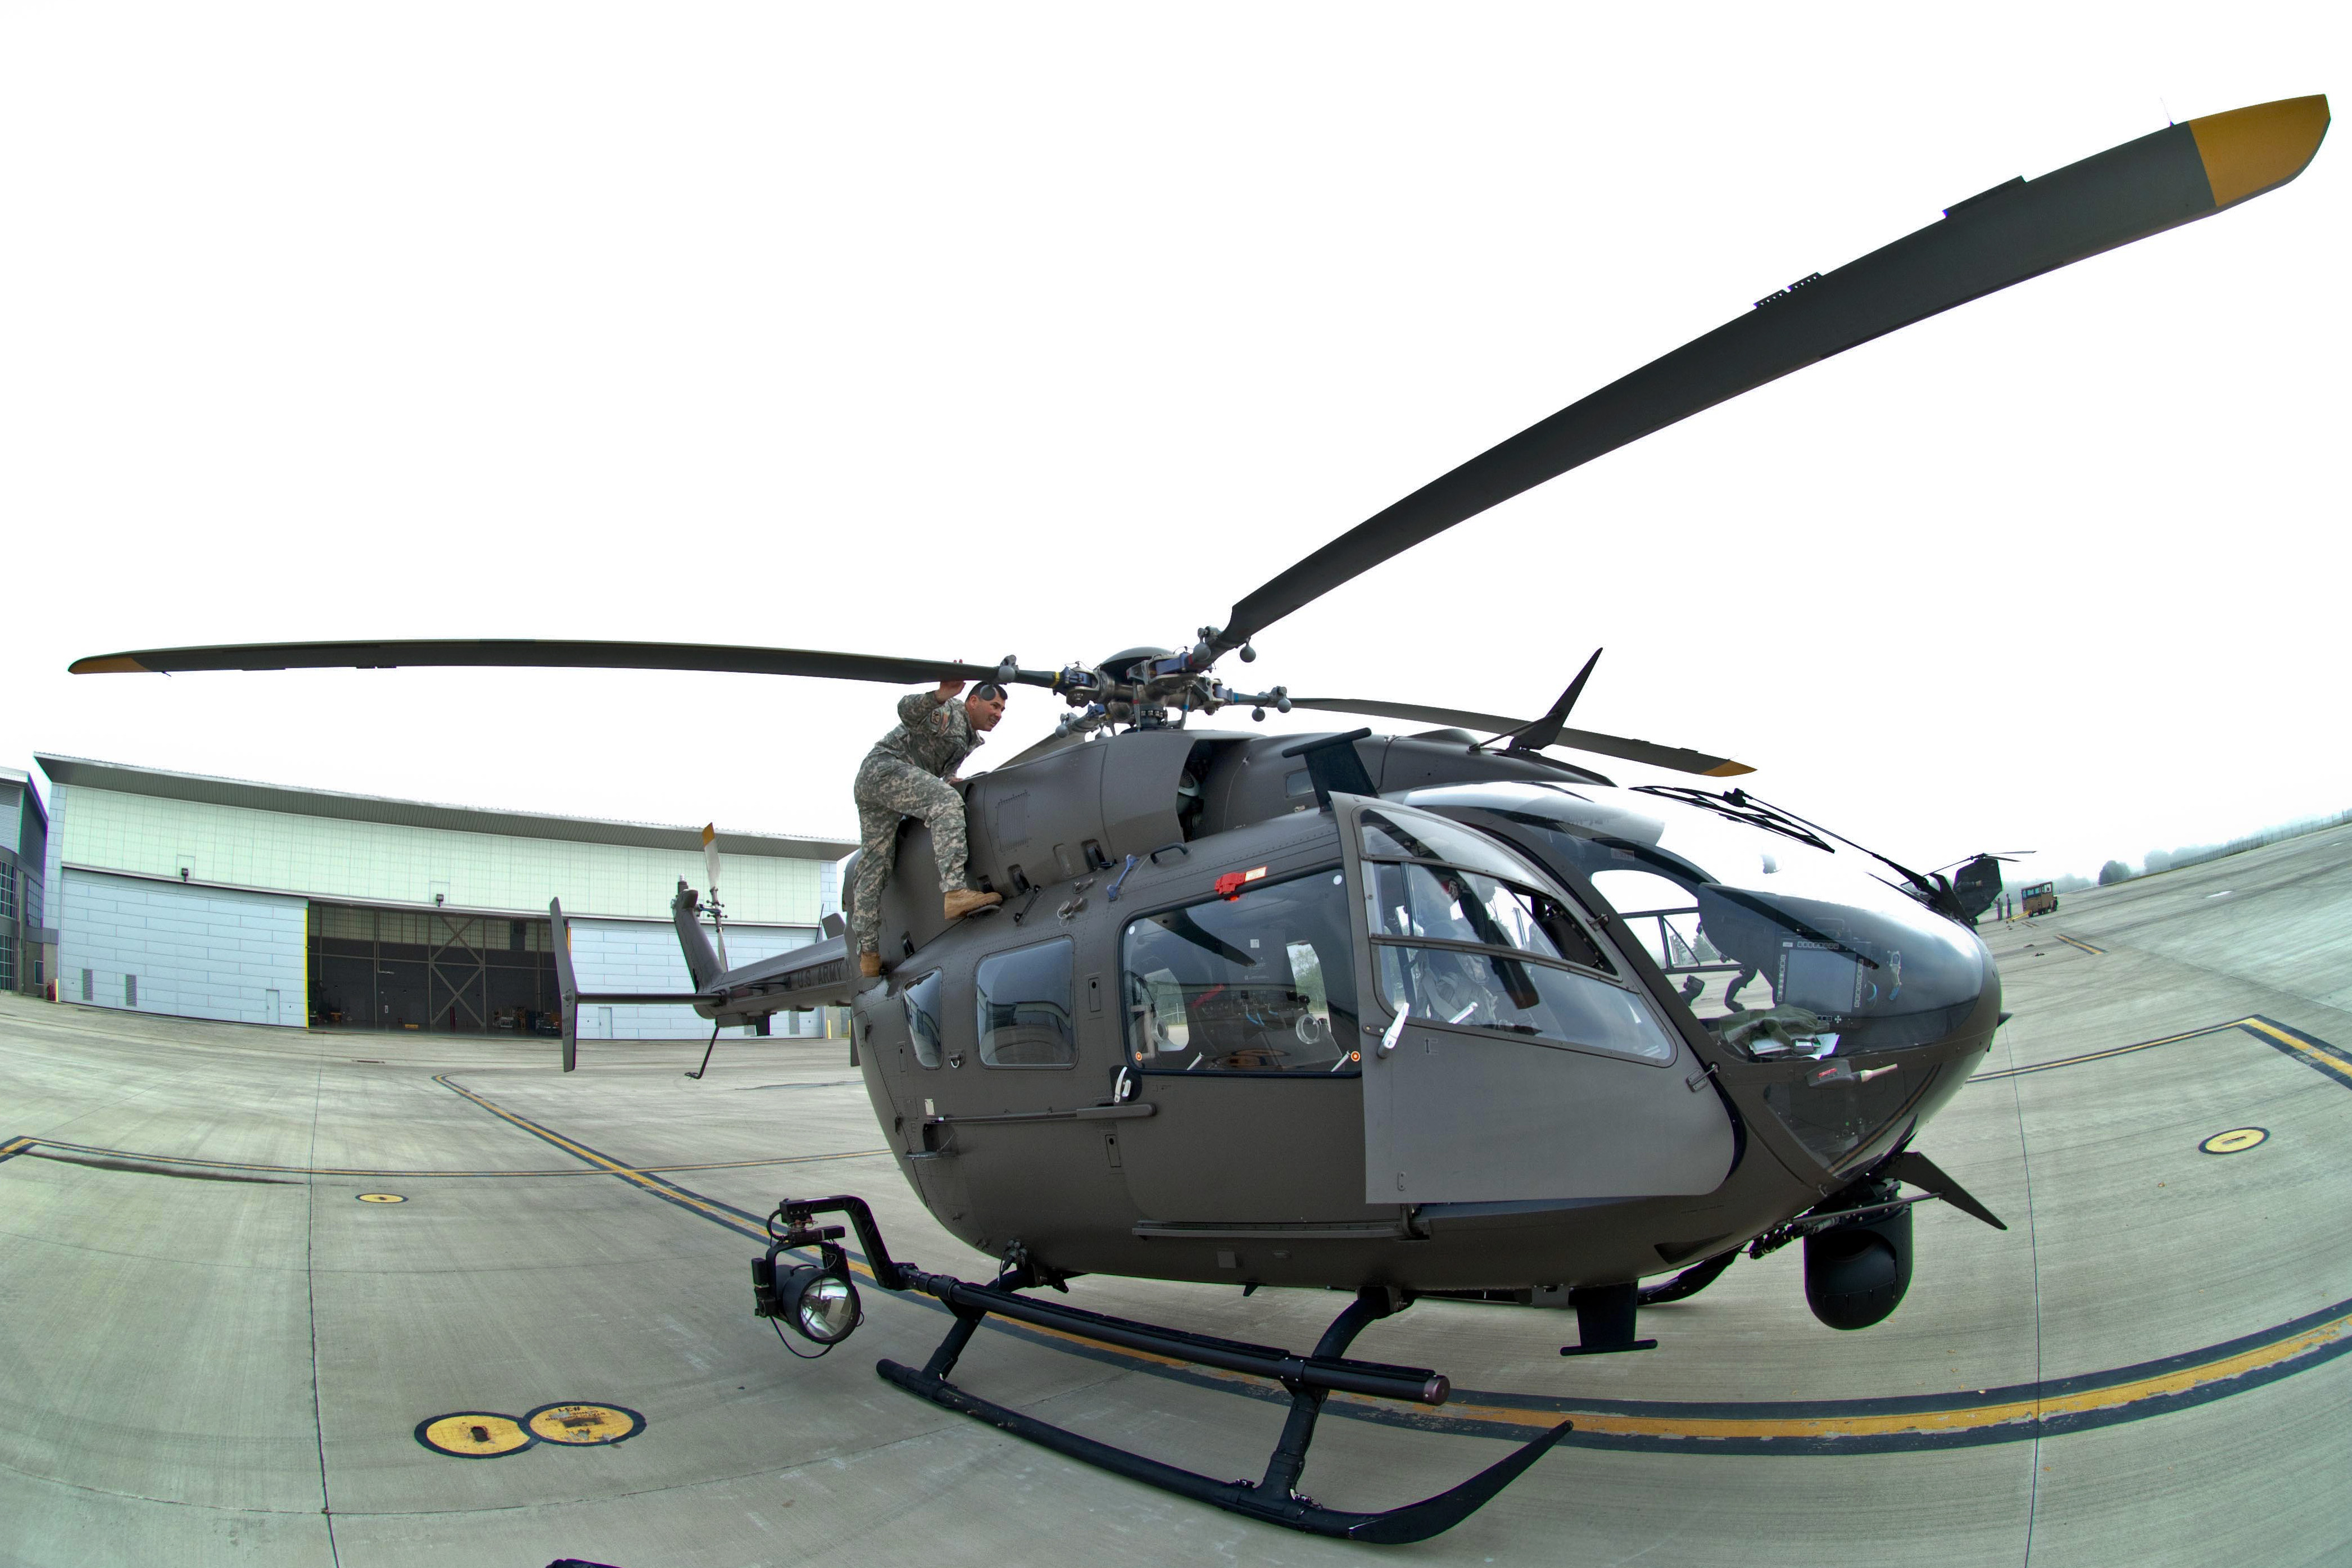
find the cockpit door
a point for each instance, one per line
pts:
(1508, 1056)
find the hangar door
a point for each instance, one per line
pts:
(430, 970)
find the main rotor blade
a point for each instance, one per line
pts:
(2004, 235)
(518, 652)
(1678, 758)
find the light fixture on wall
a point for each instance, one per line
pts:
(184, 873)
(438, 898)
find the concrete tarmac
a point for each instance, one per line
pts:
(213, 1351)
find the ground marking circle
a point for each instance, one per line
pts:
(474, 1435)
(582, 1425)
(381, 1198)
(2236, 1141)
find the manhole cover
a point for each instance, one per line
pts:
(581, 1425)
(474, 1435)
(381, 1198)
(2236, 1141)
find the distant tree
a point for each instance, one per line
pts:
(2070, 883)
(2158, 861)
(2114, 871)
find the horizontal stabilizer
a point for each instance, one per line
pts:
(817, 975)
(567, 982)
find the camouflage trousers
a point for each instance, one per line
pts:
(890, 790)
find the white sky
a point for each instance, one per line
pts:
(958, 331)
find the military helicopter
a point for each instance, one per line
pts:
(1406, 1016)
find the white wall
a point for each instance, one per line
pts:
(376, 862)
(198, 953)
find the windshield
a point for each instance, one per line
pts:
(1780, 945)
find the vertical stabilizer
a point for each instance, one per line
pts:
(701, 959)
(567, 984)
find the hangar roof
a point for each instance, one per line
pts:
(128, 779)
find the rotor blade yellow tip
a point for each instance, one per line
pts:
(1727, 770)
(107, 664)
(2248, 151)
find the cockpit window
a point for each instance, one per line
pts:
(1452, 905)
(1419, 836)
(1476, 990)
(1782, 948)
(1262, 982)
(1466, 935)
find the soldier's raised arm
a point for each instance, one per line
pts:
(917, 706)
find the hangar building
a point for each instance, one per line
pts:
(23, 852)
(258, 903)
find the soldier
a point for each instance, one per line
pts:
(901, 777)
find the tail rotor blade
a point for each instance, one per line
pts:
(710, 865)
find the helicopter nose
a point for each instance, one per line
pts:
(1849, 1110)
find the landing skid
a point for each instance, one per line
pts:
(1309, 1380)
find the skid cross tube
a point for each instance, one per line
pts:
(1325, 1370)
(1309, 1380)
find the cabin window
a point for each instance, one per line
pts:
(922, 1002)
(1025, 1007)
(1262, 982)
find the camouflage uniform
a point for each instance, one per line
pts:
(903, 777)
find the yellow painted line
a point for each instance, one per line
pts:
(2331, 1063)
(1966, 1419)
(2085, 946)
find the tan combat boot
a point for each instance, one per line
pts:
(869, 964)
(963, 902)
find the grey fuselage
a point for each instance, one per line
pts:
(1455, 1158)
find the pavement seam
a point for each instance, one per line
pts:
(38, 1479)
(2249, 982)
(796, 1466)
(39, 1148)
(310, 1291)
(2033, 1256)
(141, 1257)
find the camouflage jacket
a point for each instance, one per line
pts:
(933, 734)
